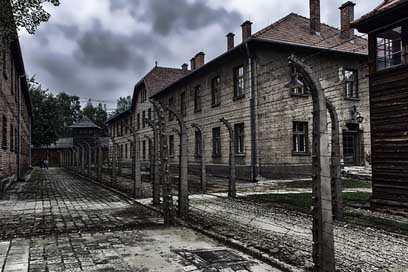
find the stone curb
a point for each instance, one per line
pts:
(251, 251)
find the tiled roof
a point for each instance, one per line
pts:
(85, 122)
(161, 77)
(295, 29)
(384, 6)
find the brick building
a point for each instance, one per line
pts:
(246, 86)
(141, 109)
(387, 28)
(15, 114)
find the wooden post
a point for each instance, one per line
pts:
(156, 166)
(335, 174)
(183, 177)
(203, 170)
(323, 240)
(164, 169)
(232, 191)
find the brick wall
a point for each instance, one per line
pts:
(9, 91)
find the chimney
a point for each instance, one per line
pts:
(246, 30)
(193, 64)
(230, 41)
(347, 16)
(315, 16)
(184, 67)
(199, 60)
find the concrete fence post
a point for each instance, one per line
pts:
(156, 167)
(232, 191)
(202, 161)
(164, 169)
(183, 176)
(323, 237)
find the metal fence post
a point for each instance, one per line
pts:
(232, 190)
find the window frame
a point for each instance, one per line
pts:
(197, 99)
(296, 133)
(171, 105)
(183, 104)
(216, 142)
(239, 133)
(238, 81)
(216, 92)
(171, 146)
(198, 143)
(403, 52)
(356, 83)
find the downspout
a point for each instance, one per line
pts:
(252, 114)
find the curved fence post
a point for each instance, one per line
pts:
(155, 170)
(202, 147)
(232, 190)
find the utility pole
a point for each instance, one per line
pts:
(202, 147)
(156, 167)
(323, 237)
(164, 169)
(232, 191)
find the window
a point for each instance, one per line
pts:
(183, 106)
(301, 91)
(197, 98)
(216, 133)
(198, 143)
(143, 119)
(12, 75)
(149, 114)
(216, 91)
(171, 105)
(127, 126)
(239, 139)
(300, 137)
(138, 121)
(239, 82)
(351, 83)
(143, 96)
(171, 146)
(121, 128)
(11, 138)
(389, 48)
(126, 151)
(132, 150)
(144, 150)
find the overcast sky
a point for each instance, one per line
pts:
(99, 49)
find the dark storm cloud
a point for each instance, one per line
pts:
(176, 15)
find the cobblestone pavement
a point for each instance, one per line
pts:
(57, 222)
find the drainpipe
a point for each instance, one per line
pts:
(251, 71)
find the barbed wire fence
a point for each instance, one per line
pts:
(300, 239)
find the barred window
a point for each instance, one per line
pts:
(216, 91)
(389, 48)
(149, 114)
(143, 119)
(144, 150)
(216, 133)
(300, 137)
(126, 151)
(138, 121)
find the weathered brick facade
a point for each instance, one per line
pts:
(275, 108)
(15, 114)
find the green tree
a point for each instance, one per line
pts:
(123, 104)
(27, 14)
(98, 114)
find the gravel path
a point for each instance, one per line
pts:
(287, 235)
